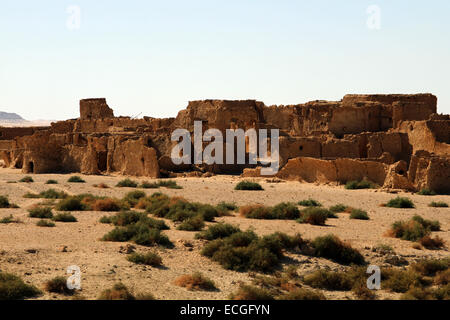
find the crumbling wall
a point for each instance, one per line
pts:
(95, 109)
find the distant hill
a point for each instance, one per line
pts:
(13, 117)
(9, 119)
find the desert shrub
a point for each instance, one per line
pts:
(30, 195)
(8, 219)
(149, 185)
(303, 294)
(401, 281)
(338, 208)
(52, 194)
(336, 281)
(14, 288)
(45, 223)
(256, 211)
(40, 212)
(126, 218)
(359, 214)
(280, 211)
(248, 185)
(399, 202)
(76, 179)
(26, 179)
(438, 204)
(432, 225)
(107, 205)
(314, 215)
(145, 296)
(4, 202)
(331, 247)
(246, 292)
(71, 204)
(127, 183)
(243, 251)
(310, 203)
(169, 184)
(51, 181)
(105, 220)
(118, 292)
(224, 208)
(217, 231)
(150, 259)
(64, 217)
(416, 293)
(363, 184)
(431, 267)
(363, 293)
(384, 249)
(426, 192)
(195, 282)
(133, 197)
(58, 285)
(442, 277)
(192, 224)
(140, 233)
(285, 210)
(435, 243)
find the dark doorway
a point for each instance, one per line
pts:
(31, 167)
(102, 161)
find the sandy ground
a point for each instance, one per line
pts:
(102, 264)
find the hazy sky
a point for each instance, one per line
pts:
(154, 56)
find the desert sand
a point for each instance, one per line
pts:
(36, 254)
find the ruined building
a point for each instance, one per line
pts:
(396, 141)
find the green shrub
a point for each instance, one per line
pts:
(401, 281)
(7, 220)
(76, 179)
(413, 230)
(249, 293)
(41, 212)
(58, 285)
(303, 294)
(431, 267)
(328, 280)
(169, 184)
(51, 181)
(243, 251)
(224, 208)
(149, 185)
(338, 208)
(53, 194)
(438, 204)
(150, 259)
(126, 218)
(127, 183)
(26, 179)
(45, 223)
(426, 192)
(139, 233)
(133, 197)
(315, 216)
(14, 288)
(192, 224)
(248, 185)
(359, 214)
(105, 220)
(281, 211)
(196, 281)
(310, 203)
(400, 202)
(364, 184)
(331, 247)
(64, 217)
(118, 292)
(71, 204)
(217, 231)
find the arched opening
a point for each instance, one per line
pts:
(300, 148)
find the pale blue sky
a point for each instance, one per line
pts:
(154, 56)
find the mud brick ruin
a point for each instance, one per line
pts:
(396, 141)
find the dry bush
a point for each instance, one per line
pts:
(58, 285)
(118, 292)
(246, 292)
(435, 243)
(150, 259)
(106, 205)
(101, 186)
(303, 294)
(333, 248)
(196, 281)
(14, 288)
